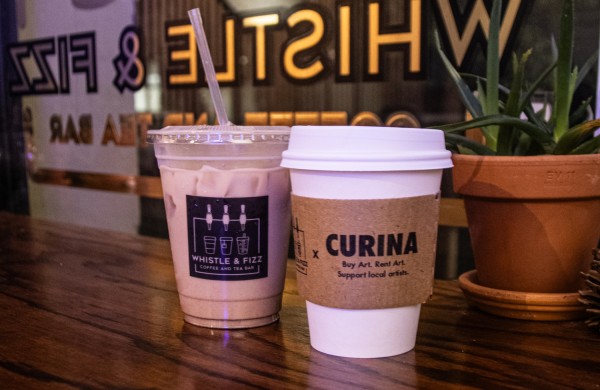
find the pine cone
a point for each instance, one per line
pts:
(591, 297)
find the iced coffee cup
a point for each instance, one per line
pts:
(228, 213)
(365, 207)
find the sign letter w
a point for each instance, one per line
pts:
(479, 17)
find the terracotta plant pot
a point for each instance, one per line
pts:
(533, 220)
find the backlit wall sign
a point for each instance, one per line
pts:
(320, 42)
(311, 30)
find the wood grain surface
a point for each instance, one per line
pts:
(93, 309)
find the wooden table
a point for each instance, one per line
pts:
(87, 308)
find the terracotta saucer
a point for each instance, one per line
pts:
(521, 305)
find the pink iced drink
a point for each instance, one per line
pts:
(227, 203)
(213, 300)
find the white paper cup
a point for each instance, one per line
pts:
(227, 205)
(372, 164)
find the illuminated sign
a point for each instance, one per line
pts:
(303, 58)
(311, 29)
(81, 48)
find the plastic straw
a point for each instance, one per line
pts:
(207, 64)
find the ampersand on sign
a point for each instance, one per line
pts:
(131, 73)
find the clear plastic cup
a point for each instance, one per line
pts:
(365, 206)
(220, 184)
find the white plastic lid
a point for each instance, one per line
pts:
(362, 148)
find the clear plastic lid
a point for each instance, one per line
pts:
(204, 134)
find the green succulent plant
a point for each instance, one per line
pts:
(506, 115)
